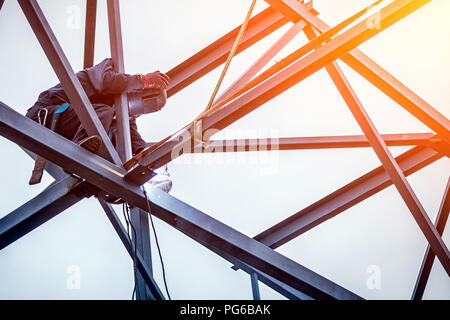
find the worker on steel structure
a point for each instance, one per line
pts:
(101, 83)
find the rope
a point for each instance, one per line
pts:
(231, 55)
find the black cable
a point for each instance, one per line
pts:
(126, 214)
(133, 296)
(157, 244)
(126, 222)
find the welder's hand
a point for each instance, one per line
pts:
(156, 80)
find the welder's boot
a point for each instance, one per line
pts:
(92, 144)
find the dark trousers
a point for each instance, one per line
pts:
(69, 126)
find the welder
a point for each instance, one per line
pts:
(101, 84)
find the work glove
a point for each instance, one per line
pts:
(155, 80)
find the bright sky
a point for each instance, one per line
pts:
(248, 192)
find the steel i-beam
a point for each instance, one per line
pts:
(139, 219)
(255, 286)
(427, 264)
(49, 203)
(89, 33)
(305, 143)
(123, 138)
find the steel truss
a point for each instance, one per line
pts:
(105, 174)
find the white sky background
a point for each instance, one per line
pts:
(160, 34)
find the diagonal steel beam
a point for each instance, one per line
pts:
(178, 214)
(1, 4)
(373, 72)
(292, 9)
(346, 197)
(427, 264)
(49, 203)
(387, 160)
(89, 33)
(279, 83)
(145, 270)
(53, 200)
(216, 53)
(72, 87)
(271, 282)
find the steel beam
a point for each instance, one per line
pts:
(373, 72)
(279, 83)
(178, 214)
(49, 203)
(140, 222)
(139, 219)
(72, 87)
(145, 270)
(1, 4)
(427, 264)
(89, 33)
(121, 101)
(292, 9)
(215, 54)
(305, 143)
(255, 286)
(346, 197)
(280, 287)
(387, 160)
(271, 282)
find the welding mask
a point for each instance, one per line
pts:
(146, 101)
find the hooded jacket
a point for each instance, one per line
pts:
(101, 83)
